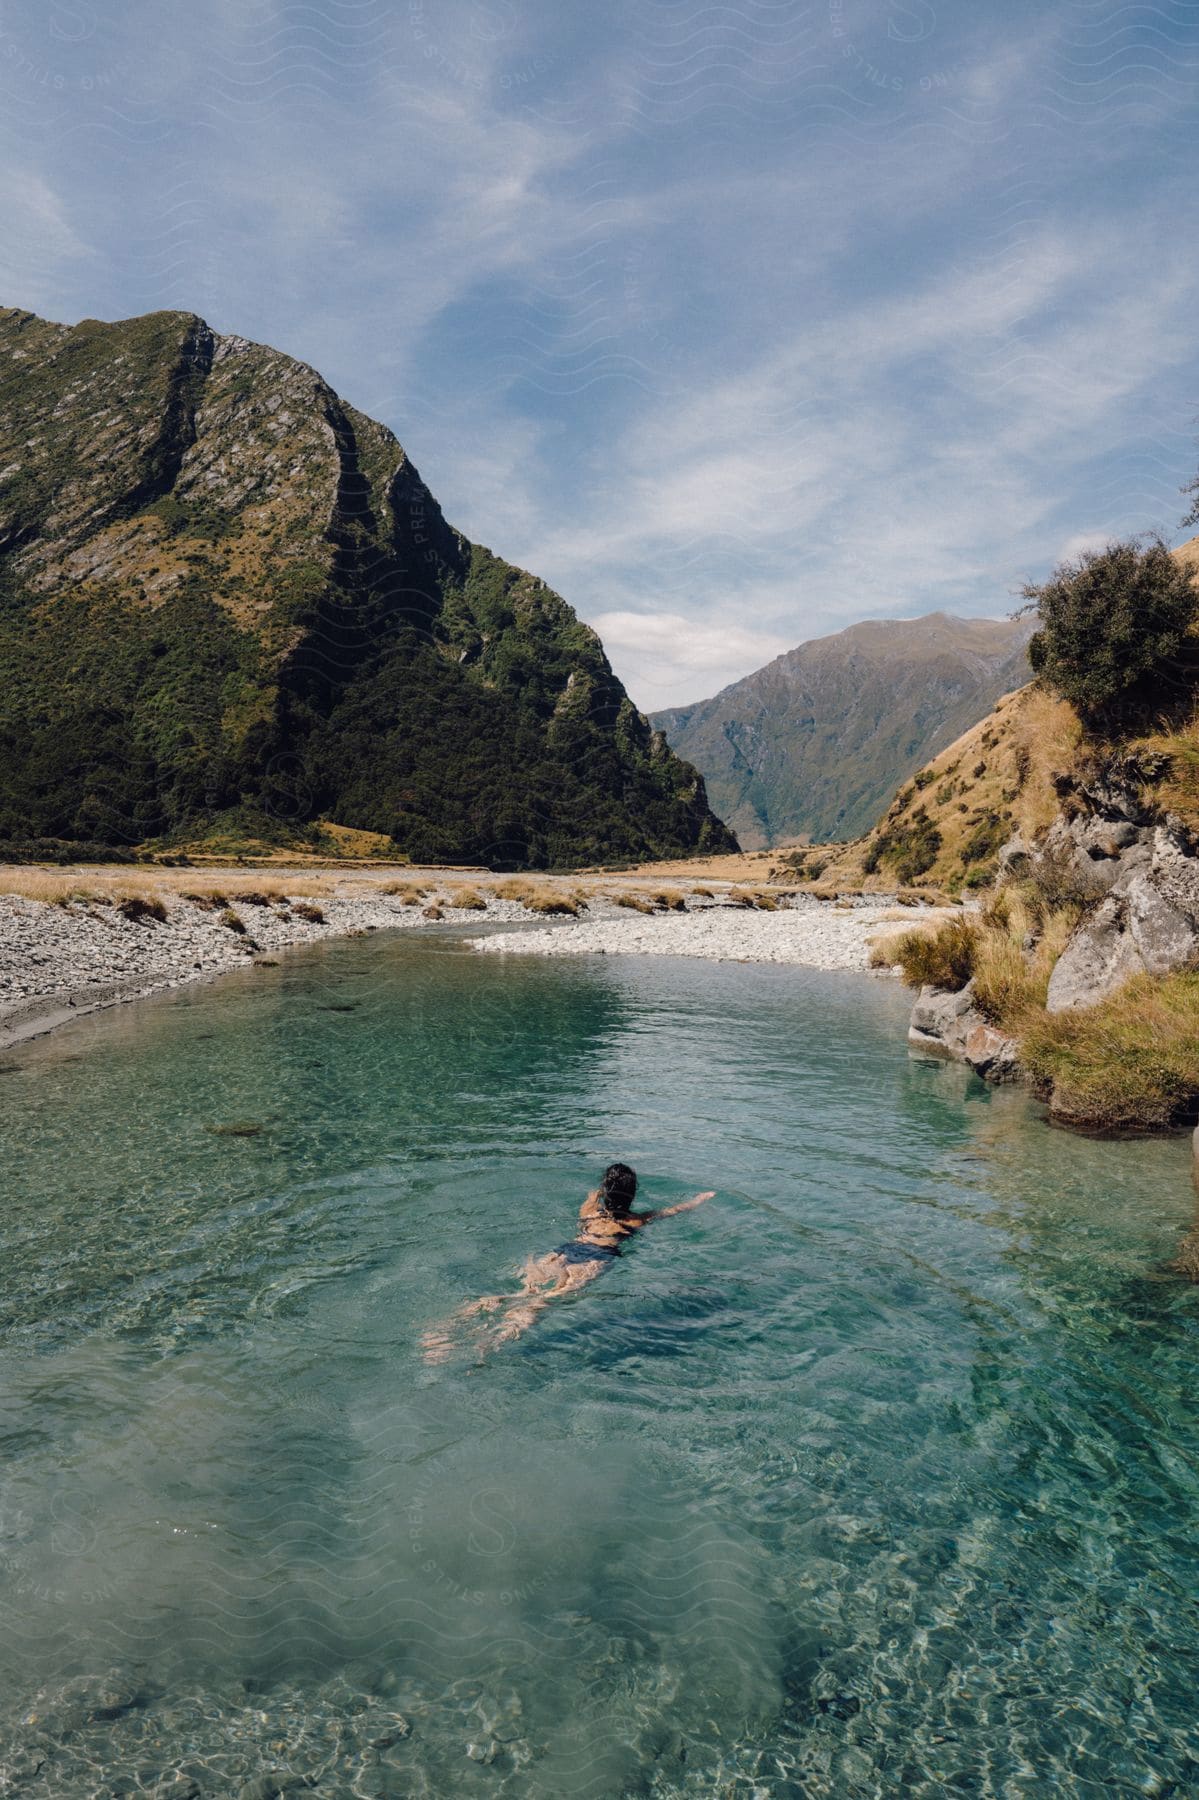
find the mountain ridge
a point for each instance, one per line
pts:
(815, 741)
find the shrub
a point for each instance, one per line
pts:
(941, 959)
(985, 840)
(304, 909)
(1113, 629)
(230, 919)
(912, 847)
(134, 907)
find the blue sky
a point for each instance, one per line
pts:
(737, 323)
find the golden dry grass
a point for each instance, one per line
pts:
(107, 885)
(408, 893)
(1129, 1064)
(517, 887)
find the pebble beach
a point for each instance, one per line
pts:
(62, 959)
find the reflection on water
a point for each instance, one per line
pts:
(877, 1475)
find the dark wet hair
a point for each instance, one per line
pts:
(618, 1188)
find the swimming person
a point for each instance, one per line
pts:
(606, 1220)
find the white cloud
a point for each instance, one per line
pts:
(667, 659)
(37, 241)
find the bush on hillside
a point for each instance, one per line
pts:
(1113, 629)
(911, 846)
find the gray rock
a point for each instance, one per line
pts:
(1165, 935)
(951, 1025)
(1013, 859)
(1149, 921)
(1099, 957)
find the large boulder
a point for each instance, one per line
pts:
(1148, 923)
(1099, 957)
(949, 1024)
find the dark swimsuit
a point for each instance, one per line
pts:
(579, 1252)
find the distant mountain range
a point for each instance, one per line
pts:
(229, 606)
(817, 742)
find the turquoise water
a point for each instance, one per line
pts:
(877, 1475)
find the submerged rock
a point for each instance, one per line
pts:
(949, 1024)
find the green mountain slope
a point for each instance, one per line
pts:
(227, 596)
(818, 740)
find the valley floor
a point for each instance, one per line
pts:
(75, 941)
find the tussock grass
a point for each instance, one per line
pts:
(213, 901)
(702, 893)
(669, 900)
(554, 901)
(634, 902)
(408, 893)
(306, 910)
(1011, 982)
(232, 922)
(1008, 952)
(469, 899)
(943, 958)
(138, 907)
(1129, 1064)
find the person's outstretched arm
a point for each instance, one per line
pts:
(668, 1212)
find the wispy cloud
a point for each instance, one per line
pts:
(737, 325)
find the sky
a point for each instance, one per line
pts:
(736, 323)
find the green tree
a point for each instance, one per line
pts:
(1114, 625)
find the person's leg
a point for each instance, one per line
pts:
(523, 1312)
(438, 1342)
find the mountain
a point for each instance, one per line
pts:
(228, 602)
(817, 741)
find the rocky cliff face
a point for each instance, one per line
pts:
(225, 594)
(818, 740)
(1139, 869)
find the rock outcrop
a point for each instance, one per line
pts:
(1142, 873)
(949, 1024)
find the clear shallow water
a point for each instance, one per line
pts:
(876, 1475)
